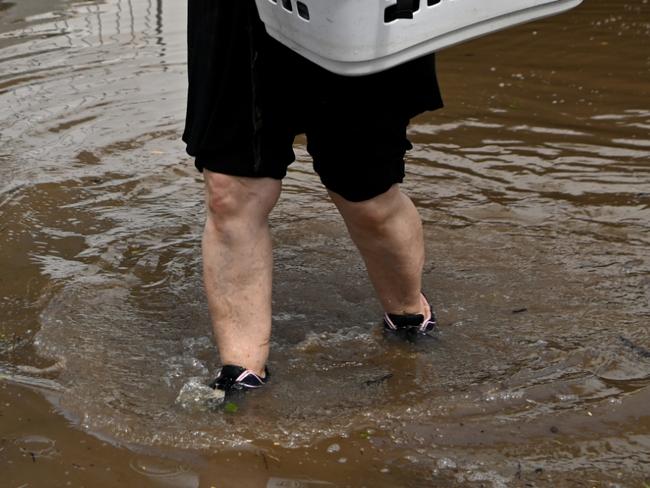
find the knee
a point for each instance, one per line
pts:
(221, 196)
(372, 214)
(231, 198)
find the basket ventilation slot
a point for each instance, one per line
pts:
(303, 10)
(403, 9)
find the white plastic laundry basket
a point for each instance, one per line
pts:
(356, 37)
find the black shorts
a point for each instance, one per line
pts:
(249, 96)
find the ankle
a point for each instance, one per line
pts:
(253, 368)
(418, 307)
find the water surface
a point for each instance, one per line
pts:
(534, 185)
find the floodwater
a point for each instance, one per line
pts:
(534, 185)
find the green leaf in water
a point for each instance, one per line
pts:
(230, 407)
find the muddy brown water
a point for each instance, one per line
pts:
(534, 185)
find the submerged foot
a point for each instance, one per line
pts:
(233, 378)
(410, 326)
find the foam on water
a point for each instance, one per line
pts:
(149, 348)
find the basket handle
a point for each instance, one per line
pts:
(402, 9)
(405, 8)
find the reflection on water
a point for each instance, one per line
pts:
(534, 185)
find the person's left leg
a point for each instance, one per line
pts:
(387, 230)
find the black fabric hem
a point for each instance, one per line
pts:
(361, 186)
(237, 164)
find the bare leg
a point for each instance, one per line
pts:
(237, 266)
(387, 230)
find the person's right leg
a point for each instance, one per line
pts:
(237, 266)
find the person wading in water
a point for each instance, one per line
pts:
(249, 96)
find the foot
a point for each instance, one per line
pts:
(411, 324)
(235, 378)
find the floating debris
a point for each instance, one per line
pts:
(333, 448)
(231, 407)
